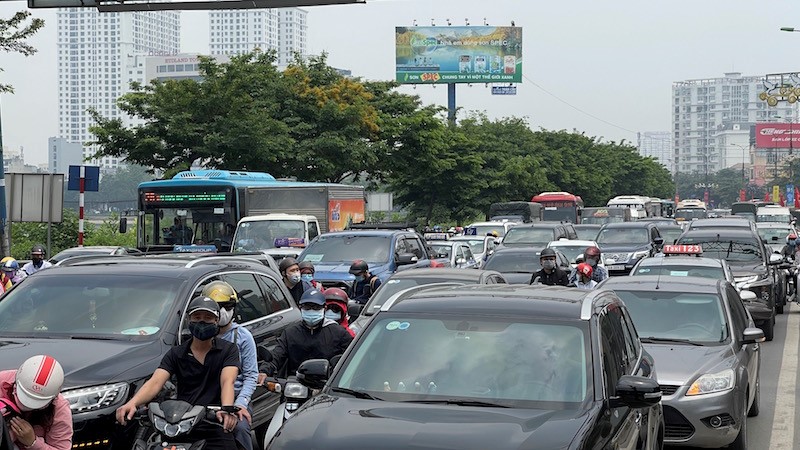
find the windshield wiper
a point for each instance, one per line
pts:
(355, 393)
(460, 402)
(651, 340)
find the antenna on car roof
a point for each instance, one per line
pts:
(660, 267)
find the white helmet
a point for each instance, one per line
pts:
(39, 381)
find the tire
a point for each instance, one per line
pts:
(754, 408)
(741, 440)
(779, 308)
(768, 326)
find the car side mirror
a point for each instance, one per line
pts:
(752, 336)
(659, 241)
(461, 261)
(354, 309)
(406, 258)
(775, 259)
(313, 373)
(748, 296)
(123, 225)
(636, 392)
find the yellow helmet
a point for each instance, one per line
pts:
(6, 259)
(220, 292)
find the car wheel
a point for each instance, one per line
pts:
(779, 308)
(741, 440)
(768, 326)
(753, 412)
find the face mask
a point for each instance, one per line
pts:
(294, 279)
(225, 317)
(359, 278)
(311, 317)
(591, 261)
(333, 315)
(203, 331)
(548, 264)
(307, 277)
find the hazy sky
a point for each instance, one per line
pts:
(614, 60)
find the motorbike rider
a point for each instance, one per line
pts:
(790, 249)
(550, 274)
(336, 308)
(11, 267)
(307, 274)
(591, 256)
(290, 270)
(36, 413)
(312, 338)
(245, 384)
(585, 280)
(365, 283)
(37, 261)
(205, 368)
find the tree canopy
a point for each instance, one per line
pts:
(13, 35)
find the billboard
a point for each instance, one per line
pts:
(480, 54)
(345, 212)
(777, 135)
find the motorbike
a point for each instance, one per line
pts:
(293, 395)
(172, 420)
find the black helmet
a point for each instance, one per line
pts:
(286, 263)
(358, 266)
(547, 252)
(203, 303)
(306, 265)
(38, 248)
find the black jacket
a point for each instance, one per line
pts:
(299, 343)
(555, 278)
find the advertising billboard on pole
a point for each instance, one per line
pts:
(479, 54)
(778, 135)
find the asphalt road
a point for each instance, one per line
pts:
(774, 428)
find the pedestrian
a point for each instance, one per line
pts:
(550, 274)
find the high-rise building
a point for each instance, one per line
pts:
(656, 144)
(285, 30)
(707, 113)
(185, 66)
(99, 54)
(61, 154)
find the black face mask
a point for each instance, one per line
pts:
(203, 330)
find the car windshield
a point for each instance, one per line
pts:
(510, 262)
(774, 235)
(622, 236)
(699, 318)
(476, 245)
(528, 236)
(348, 248)
(409, 358)
(779, 218)
(680, 270)
(261, 235)
(670, 235)
(393, 286)
(119, 306)
(484, 230)
(690, 213)
(729, 250)
(570, 251)
(441, 250)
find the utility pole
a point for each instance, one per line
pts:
(4, 238)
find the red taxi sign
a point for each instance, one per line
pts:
(682, 250)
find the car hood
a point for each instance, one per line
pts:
(743, 269)
(87, 362)
(605, 249)
(340, 271)
(340, 422)
(517, 278)
(681, 364)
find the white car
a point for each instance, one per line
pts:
(482, 246)
(573, 249)
(484, 228)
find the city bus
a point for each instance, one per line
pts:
(560, 206)
(202, 207)
(645, 206)
(690, 209)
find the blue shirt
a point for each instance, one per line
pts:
(246, 381)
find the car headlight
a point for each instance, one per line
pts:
(641, 254)
(712, 382)
(295, 390)
(96, 397)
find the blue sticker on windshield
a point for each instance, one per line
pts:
(403, 326)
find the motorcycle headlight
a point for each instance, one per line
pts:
(295, 390)
(170, 429)
(712, 382)
(96, 397)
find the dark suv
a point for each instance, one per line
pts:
(624, 244)
(538, 234)
(455, 368)
(109, 320)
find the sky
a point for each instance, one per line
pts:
(601, 68)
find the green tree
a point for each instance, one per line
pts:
(13, 35)
(62, 235)
(107, 233)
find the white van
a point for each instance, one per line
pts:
(773, 213)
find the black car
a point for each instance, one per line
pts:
(624, 244)
(754, 268)
(518, 264)
(670, 232)
(93, 250)
(109, 320)
(456, 369)
(538, 234)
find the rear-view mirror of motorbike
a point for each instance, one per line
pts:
(314, 373)
(354, 309)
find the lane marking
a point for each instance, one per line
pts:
(782, 436)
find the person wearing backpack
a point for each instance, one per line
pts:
(365, 283)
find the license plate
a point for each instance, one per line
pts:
(176, 446)
(617, 267)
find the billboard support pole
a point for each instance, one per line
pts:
(5, 245)
(80, 205)
(451, 103)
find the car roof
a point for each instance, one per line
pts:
(523, 250)
(471, 238)
(443, 272)
(179, 262)
(91, 248)
(726, 233)
(492, 300)
(386, 233)
(664, 283)
(668, 226)
(635, 224)
(572, 243)
(543, 224)
(587, 225)
(730, 221)
(684, 260)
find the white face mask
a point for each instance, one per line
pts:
(225, 316)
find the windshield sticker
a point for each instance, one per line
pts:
(140, 331)
(313, 258)
(644, 270)
(403, 326)
(392, 281)
(393, 325)
(679, 273)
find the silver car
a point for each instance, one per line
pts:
(706, 347)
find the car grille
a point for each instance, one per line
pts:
(618, 257)
(668, 389)
(676, 426)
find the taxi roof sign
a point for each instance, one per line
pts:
(683, 250)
